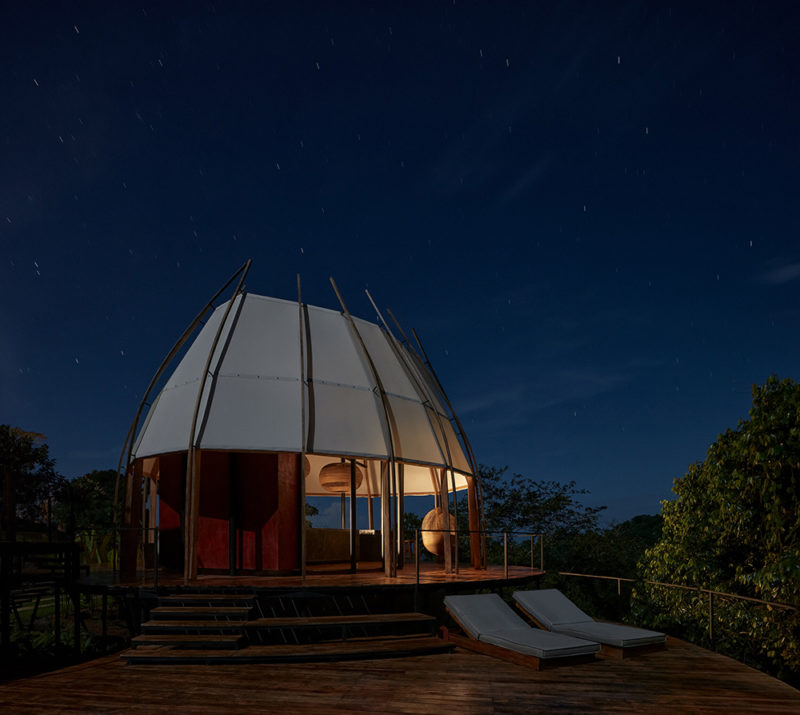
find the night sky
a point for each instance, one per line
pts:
(588, 211)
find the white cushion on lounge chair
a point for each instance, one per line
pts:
(553, 610)
(542, 644)
(482, 613)
(613, 634)
(487, 618)
(550, 607)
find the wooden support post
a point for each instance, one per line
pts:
(192, 515)
(302, 483)
(144, 517)
(152, 520)
(448, 547)
(393, 514)
(386, 520)
(475, 559)
(353, 530)
(455, 519)
(401, 505)
(131, 526)
(233, 510)
(370, 468)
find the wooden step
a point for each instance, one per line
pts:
(201, 612)
(182, 640)
(360, 619)
(207, 598)
(191, 625)
(343, 650)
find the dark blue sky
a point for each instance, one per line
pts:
(587, 210)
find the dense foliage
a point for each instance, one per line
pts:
(30, 482)
(88, 501)
(735, 527)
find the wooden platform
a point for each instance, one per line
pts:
(431, 575)
(680, 679)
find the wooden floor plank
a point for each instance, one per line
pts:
(683, 678)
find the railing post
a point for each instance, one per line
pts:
(57, 614)
(416, 554)
(104, 617)
(619, 587)
(531, 552)
(114, 554)
(541, 552)
(156, 541)
(74, 568)
(711, 618)
(416, 567)
(505, 554)
(455, 549)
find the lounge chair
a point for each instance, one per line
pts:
(553, 611)
(494, 629)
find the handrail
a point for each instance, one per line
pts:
(699, 589)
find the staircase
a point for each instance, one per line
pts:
(240, 627)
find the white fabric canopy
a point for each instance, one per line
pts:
(253, 395)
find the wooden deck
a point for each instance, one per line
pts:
(682, 678)
(333, 577)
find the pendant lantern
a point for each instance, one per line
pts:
(335, 477)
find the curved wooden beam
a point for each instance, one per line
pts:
(384, 403)
(127, 447)
(422, 389)
(192, 478)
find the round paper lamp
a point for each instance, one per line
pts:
(335, 477)
(433, 541)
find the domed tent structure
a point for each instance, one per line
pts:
(275, 401)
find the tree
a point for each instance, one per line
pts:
(310, 511)
(411, 522)
(87, 502)
(735, 527)
(519, 504)
(30, 481)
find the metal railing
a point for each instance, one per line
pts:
(43, 567)
(711, 593)
(102, 548)
(455, 533)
